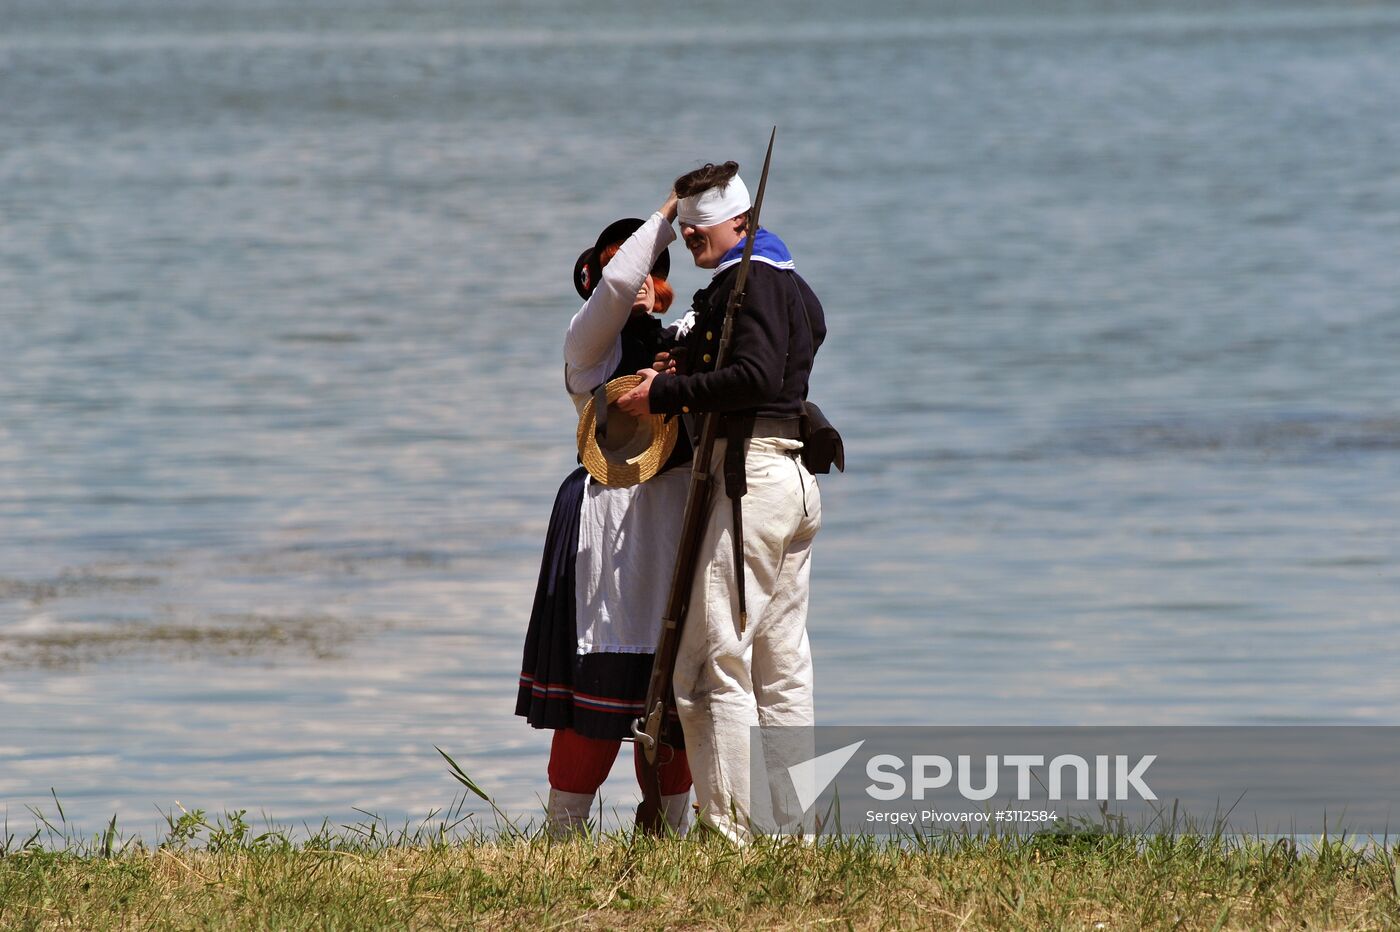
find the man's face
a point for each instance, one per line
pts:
(708, 245)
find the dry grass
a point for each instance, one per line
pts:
(222, 877)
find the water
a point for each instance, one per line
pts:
(1112, 294)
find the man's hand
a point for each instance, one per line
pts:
(665, 362)
(637, 402)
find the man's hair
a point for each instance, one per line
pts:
(707, 176)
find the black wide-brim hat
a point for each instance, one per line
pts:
(588, 271)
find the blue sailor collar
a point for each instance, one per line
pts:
(766, 248)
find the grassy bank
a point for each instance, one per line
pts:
(223, 876)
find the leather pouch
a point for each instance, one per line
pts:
(822, 446)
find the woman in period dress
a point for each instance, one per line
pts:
(610, 551)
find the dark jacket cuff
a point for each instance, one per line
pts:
(663, 397)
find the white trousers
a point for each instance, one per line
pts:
(727, 681)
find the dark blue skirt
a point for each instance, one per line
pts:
(597, 695)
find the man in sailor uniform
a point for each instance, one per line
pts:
(734, 669)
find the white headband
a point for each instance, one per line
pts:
(715, 205)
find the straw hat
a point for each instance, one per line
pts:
(634, 449)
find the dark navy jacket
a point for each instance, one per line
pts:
(777, 332)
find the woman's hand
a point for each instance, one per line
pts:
(669, 209)
(637, 402)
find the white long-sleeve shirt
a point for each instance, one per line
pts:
(592, 342)
(627, 536)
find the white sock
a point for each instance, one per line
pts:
(567, 813)
(677, 809)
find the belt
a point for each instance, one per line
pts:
(737, 429)
(779, 427)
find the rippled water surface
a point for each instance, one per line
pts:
(1112, 297)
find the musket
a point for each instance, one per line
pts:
(646, 730)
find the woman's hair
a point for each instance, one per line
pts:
(705, 177)
(659, 286)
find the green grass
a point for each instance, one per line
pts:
(444, 873)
